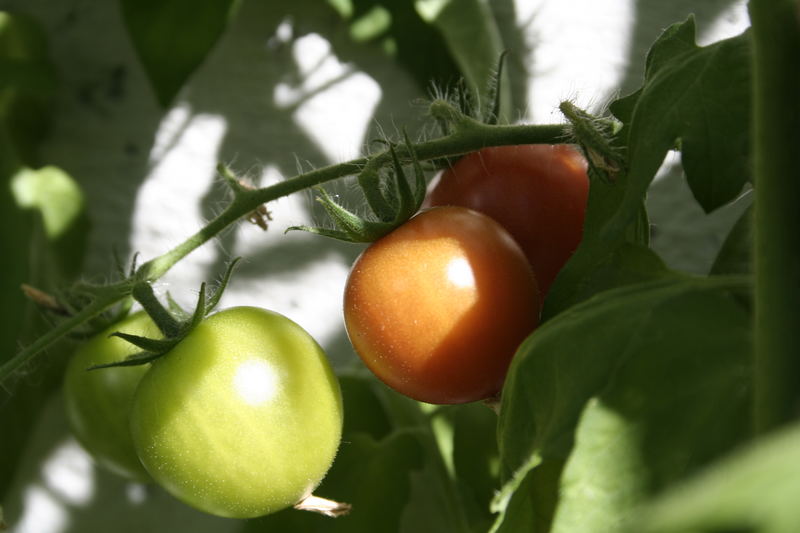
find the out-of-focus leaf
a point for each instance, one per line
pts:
(476, 461)
(694, 98)
(411, 41)
(620, 396)
(365, 412)
(173, 37)
(473, 38)
(53, 193)
(754, 489)
(26, 86)
(43, 228)
(736, 254)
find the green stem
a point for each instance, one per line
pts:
(470, 139)
(111, 294)
(471, 136)
(776, 138)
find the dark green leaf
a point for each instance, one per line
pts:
(407, 37)
(27, 86)
(695, 98)
(622, 395)
(474, 41)
(173, 37)
(476, 461)
(626, 264)
(736, 254)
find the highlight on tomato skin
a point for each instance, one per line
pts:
(437, 308)
(537, 192)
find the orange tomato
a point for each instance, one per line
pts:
(537, 192)
(437, 308)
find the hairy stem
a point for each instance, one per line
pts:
(469, 136)
(463, 141)
(776, 137)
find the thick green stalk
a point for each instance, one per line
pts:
(776, 140)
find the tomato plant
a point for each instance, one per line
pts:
(242, 418)
(538, 192)
(98, 401)
(622, 412)
(437, 308)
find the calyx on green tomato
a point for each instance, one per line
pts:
(242, 418)
(437, 308)
(537, 192)
(98, 401)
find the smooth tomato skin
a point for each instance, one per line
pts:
(537, 192)
(98, 401)
(437, 308)
(242, 418)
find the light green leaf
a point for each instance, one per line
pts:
(621, 395)
(51, 191)
(755, 489)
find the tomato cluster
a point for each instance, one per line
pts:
(437, 308)
(538, 192)
(225, 421)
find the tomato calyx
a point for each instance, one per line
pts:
(391, 203)
(173, 321)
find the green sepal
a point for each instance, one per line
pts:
(174, 322)
(350, 227)
(492, 116)
(353, 228)
(199, 309)
(159, 346)
(223, 284)
(139, 358)
(324, 232)
(370, 183)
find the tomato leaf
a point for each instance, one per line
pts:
(473, 39)
(692, 98)
(173, 37)
(620, 396)
(752, 489)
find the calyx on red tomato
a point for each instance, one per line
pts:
(98, 401)
(537, 192)
(437, 308)
(242, 417)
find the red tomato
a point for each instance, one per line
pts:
(537, 192)
(437, 308)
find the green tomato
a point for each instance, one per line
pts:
(98, 401)
(242, 418)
